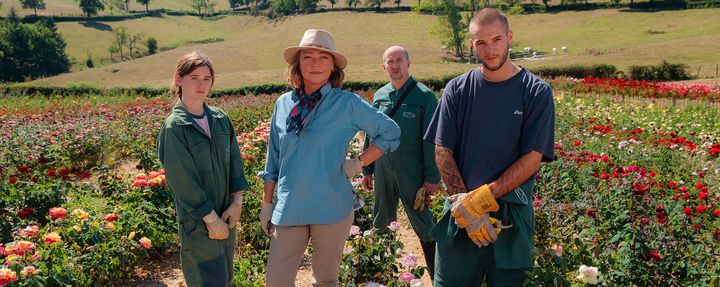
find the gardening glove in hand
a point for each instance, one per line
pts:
(423, 195)
(481, 231)
(476, 202)
(352, 167)
(265, 216)
(420, 197)
(217, 229)
(232, 213)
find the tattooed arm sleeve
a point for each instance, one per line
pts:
(449, 170)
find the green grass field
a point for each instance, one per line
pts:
(251, 51)
(70, 7)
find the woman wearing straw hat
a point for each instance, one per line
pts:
(310, 131)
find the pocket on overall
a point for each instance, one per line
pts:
(445, 229)
(513, 248)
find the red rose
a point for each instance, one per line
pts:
(701, 208)
(591, 212)
(655, 255)
(698, 185)
(51, 173)
(12, 180)
(24, 169)
(111, 217)
(687, 210)
(702, 195)
(25, 212)
(716, 212)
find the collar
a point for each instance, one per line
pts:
(185, 118)
(410, 81)
(324, 91)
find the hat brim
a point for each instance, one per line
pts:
(290, 55)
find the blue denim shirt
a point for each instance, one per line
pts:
(311, 186)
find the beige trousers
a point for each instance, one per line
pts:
(288, 244)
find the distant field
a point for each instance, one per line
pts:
(251, 51)
(71, 7)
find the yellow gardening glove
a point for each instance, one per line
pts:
(217, 229)
(233, 212)
(477, 202)
(482, 232)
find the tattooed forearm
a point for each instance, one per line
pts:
(517, 173)
(449, 170)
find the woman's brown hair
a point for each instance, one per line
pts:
(186, 65)
(295, 77)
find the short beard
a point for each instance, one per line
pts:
(503, 59)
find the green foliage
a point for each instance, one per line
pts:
(204, 7)
(89, 62)
(452, 28)
(30, 51)
(375, 3)
(146, 3)
(577, 71)
(33, 4)
(152, 45)
(664, 71)
(91, 7)
(237, 3)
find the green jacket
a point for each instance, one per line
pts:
(202, 171)
(413, 117)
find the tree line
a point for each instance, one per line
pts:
(29, 51)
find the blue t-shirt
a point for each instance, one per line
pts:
(490, 125)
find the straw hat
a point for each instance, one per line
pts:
(316, 39)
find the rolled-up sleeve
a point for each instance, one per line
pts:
(385, 133)
(182, 176)
(272, 159)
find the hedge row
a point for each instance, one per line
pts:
(44, 91)
(663, 72)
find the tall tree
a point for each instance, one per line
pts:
(204, 7)
(131, 42)
(144, 2)
(332, 3)
(91, 7)
(29, 51)
(33, 4)
(121, 37)
(452, 27)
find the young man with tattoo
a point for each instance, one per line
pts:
(492, 129)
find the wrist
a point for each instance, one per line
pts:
(237, 198)
(494, 189)
(362, 162)
(212, 216)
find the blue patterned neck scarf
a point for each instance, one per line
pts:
(299, 114)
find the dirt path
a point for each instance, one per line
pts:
(162, 272)
(166, 271)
